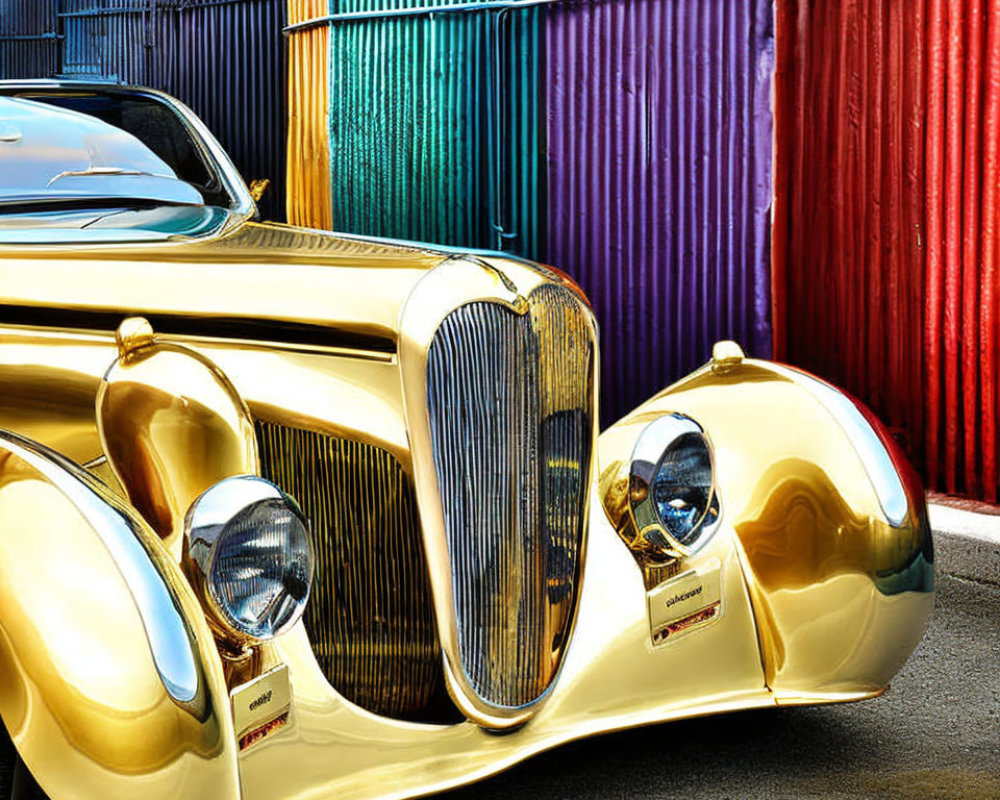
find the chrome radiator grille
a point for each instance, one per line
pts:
(370, 615)
(510, 402)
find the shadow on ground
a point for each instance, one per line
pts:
(934, 736)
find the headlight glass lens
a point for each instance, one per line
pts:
(261, 570)
(682, 486)
(248, 555)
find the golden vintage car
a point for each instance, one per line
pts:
(293, 514)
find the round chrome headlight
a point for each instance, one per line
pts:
(672, 492)
(248, 554)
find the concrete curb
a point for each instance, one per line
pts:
(966, 541)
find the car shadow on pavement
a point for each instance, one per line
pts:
(934, 736)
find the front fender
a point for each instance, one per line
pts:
(829, 518)
(110, 685)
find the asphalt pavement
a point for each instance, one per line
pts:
(934, 736)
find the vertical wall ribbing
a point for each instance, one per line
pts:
(659, 180)
(309, 196)
(436, 127)
(886, 218)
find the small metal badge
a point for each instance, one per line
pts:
(261, 706)
(691, 600)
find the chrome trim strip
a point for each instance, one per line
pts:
(100, 461)
(171, 642)
(259, 329)
(98, 336)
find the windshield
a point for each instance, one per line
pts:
(85, 160)
(52, 154)
(100, 145)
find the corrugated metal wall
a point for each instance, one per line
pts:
(108, 39)
(625, 142)
(309, 195)
(659, 180)
(224, 58)
(229, 65)
(436, 125)
(886, 218)
(963, 243)
(29, 38)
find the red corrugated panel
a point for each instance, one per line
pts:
(887, 121)
(989, 317)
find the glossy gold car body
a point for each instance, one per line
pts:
(818, 568)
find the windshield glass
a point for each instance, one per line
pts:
(93, 165)
(59, 147)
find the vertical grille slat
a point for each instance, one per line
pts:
(370, 616)
(510, 402)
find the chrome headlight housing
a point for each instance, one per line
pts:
(248, 554)
(672, 492)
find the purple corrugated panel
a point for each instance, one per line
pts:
(226, 59)
(29, 43)
(659, 175)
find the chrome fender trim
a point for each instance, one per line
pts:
(108, 675)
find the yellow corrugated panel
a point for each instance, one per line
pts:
(309, 195)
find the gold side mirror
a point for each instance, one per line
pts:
(257, 188)
(171, 425)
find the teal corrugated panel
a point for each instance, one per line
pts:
(437, 130)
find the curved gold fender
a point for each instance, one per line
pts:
(171, 426)
(110, 685)
(829, 517)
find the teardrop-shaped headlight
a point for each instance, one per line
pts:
(248, 554)
(672, 492)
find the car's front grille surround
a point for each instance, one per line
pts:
(510, 402)
(370, 615)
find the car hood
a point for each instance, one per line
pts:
(263, 281)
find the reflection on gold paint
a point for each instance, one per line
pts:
(171, 426)
(800, 531)
(812, 561)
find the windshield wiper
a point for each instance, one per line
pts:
(94, 171)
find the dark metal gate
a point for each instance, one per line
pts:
(29, 39)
